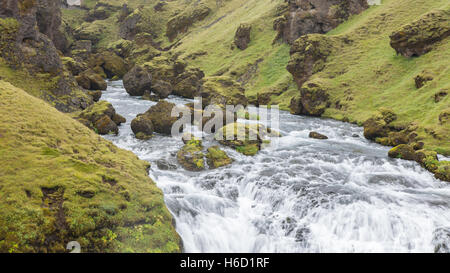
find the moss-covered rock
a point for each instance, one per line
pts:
(418, 37)
(444, 116)
(423, 78)
(188, 83)
(95, 94)
(137, 81)
(91, 81)
(317, 135)
(314, 97)
(191, 156)
(244, 138)
(242, 36)
(111, 64)
(142, 127)
(309, 54)
(377, 126)
(101, 117)
(222, 90)
(181, 22)
(160, 117)
(217, 158)
(163, 76)
(403, 151)
(74, 66)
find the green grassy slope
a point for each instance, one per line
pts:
(61, 182)
(368, 74)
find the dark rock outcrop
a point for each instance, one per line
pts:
(137, 81)
(159, 116)
(25, 47)
(110, 63)
(377, 126)
(49, 20)
(222, 91)
(162, 77)
(142, 127)
(314, 16)
(418, 37)
(244, 138)
(242, 36)
(423, 78)
(101, 117)
(314, 98)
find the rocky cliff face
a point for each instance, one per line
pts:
(315, 16)
(29, 31)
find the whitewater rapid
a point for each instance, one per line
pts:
(302, 195)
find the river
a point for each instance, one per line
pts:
(302, 195)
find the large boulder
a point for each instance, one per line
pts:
(317, 135)
(101, 117)
(418, 37)
(242, 36)
(403, 151)
(129, 25)
(24, 47)
(222, 90)
(105, 125)
(163, 76)
(181, 22)
(423, 78)
(191, 156)
(137, 81)
(91, 81)
(159, 116)
(309, 54)
(314, 16)
(142, 127)
(217, 158)
(244, 138)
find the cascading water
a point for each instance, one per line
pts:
(302, 195)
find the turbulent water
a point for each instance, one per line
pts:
(302, 195)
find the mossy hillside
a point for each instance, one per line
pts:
(367, 74)
(73, 186)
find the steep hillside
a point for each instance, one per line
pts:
(364, 73)
(60, 182)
